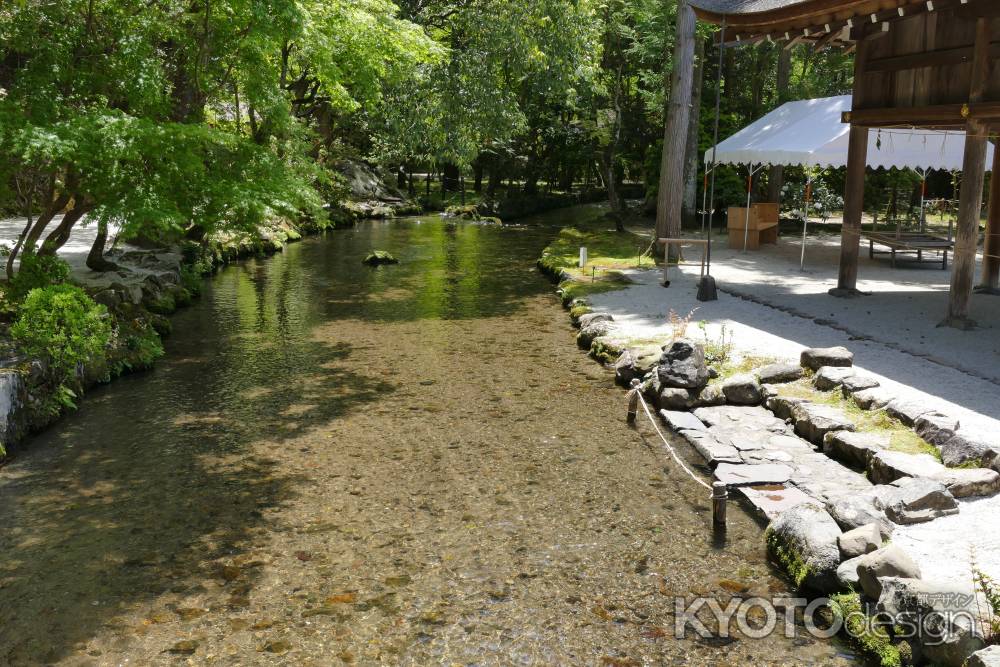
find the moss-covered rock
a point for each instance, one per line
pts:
(378, 257)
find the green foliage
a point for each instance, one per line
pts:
(142, 347)
(64, 326)
(874, 641)
(37, 271)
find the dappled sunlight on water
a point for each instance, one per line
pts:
(337, 464)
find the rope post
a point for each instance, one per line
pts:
(720, 493)
(633, 401)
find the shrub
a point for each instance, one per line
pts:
(64, 326)
(37, 271)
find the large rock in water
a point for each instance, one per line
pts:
(817, 357)
(890, 561)
(950, 616)
(683, 366)
(804, 541)
(376, 257)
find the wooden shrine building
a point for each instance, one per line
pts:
(918, 63)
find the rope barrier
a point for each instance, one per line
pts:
(635, 394)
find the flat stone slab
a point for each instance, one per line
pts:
(855, 383)
(936, 428)
(752, 475)
(743, 416)
(831, 377)
(778, 373)
(817, 357)
(813, 421)
(971, 447)
(909, 501)
(887, 466)
(679, 421)
(854, 449)
(875, 398)
(711, 448)
(907, 411)
(772, 500)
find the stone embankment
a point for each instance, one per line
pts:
(833, 463)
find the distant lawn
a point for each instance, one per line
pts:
(608, 252)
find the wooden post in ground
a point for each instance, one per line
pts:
(967, 234)
(991, 249)
(854, 189)
(854, 198)
(633, 401)
(970, 202)
(720, 493)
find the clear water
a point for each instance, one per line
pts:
(335, 464)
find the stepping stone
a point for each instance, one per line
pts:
(854, 449)
(745, 416)
(855, 383)
(782, 406)
(742, 474)
(756, 456)
(859, 541)
(742, 390)
(813, 421)
(890, 561)
(711, 449)
(679, 421)
(888, 466)
(936, 428)
(778, 373)
(875, 398)
(965, 447)
(854, 510)
(909, 501)
(907, 411)
(817, 357)
(831, 377)
(772, 500)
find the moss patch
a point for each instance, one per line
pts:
(788, 558)
(607, 250)
(874, 641)
(609, 281)
(901, 437)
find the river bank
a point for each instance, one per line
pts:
(821, 450)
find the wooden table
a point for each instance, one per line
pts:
(911, 242)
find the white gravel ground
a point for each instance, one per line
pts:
(893, 333)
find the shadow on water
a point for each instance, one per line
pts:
(155, 484)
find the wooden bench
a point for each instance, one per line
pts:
(762, 226)
(911, 242)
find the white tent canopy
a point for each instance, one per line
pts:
(809, 133)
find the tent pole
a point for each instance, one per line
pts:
(715, 143)
(805, 223)
(746, 223)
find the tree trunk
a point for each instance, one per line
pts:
(477, 174)
(689, 207)
(496, 178)
(776, 175)
(670, 195)
(95, 258)
(58, 237)
(449, 178)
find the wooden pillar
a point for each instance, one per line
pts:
(991, 249)
(970, 201)
(854, 199)
(967, 234)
